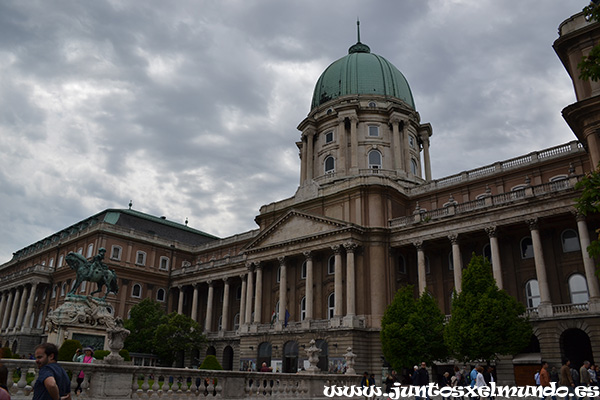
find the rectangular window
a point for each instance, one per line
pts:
(115, 253)
(164, 263)
(373, 130)
(140, 258)
(329, 137)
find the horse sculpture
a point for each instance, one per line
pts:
(94, 271)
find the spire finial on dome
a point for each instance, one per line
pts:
(358, 47)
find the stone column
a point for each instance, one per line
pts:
(180, 300)
(309, 285)
(588, 262)
(426, 158)
(29, 307)
(13, 314)
(225, 313)
(21, 313)
(3, 296)
(195, 303)
(495, 250)
(282, 289)
(353, 145)
(350, 279)
(341, 138)
(209, 307)
(243, 301)
(303, 158)
(249, 294)
(7, 310)
(258, 296)
(422, 273)
(456, 262)
(338, 284)
(545, 307)
(396, 138)
(406, 149)
(310, 135)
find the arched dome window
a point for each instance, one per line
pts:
(329, 165)
(374, 159)
(414, 167)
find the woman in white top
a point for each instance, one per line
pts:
(480, 381)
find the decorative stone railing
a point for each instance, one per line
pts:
(454, 208)
(567, 309)
(125, 381)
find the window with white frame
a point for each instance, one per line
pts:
(43, 262)
(90, 251)
(401, 264)
(303, 270)
(160, 295)
(331, 306)
(82, 286)
(303, 309)
(80, 250)
(374, 159)
(115, 253)
(331, 265)
(136, 291)
(526, 248)
(54, 291)
(532, 293)
(329, 165)
(578, 289)
(570, 241)
(373, 130)
(51, 263)
(140, 258)
(164, 263)
(236, 321)
(329, 137)
(60, 261)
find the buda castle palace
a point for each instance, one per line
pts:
(367, 219)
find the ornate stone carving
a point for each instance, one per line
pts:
(418, 244)
(491, 231)
(79, 311)
(350, 361)
(453, 238)
(533, 224)
(337, 249)
(350, 247)
(313, 357)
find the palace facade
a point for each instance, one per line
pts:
(366, 220)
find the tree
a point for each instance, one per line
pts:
(589, 203)
(179, 333)
(67, 350)
(144, 318)
(211, 362)
(485, 321)
(412, 330)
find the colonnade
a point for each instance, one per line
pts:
(252, 289)
(16, 307)
(538, 255)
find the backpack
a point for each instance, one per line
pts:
(467, 379)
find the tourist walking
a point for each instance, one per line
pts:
(545, 378)
(566, 379)
(53, 382)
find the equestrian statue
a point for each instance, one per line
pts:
(93, 271)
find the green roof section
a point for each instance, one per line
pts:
(361, 73)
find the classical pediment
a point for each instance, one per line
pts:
(295, 226)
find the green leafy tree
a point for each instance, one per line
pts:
(211, 362)
(412, 330)
(485, 321)
(143, 320)
(589, 203)
(67, 350)
(179, 333)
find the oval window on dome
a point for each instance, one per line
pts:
(372, 104)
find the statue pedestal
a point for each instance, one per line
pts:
(87, 318)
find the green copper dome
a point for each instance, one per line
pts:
(361, 72)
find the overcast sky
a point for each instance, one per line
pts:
(190, 108)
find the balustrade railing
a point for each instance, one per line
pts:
(105, 381)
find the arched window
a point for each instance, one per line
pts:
(303, 271)
(40, 320)
(578, 289)
(136, 290)
(54, 290)
(414, 167)
(90, 251)
(63, 289)
(532, 293)
(60, 261)
(236, 322)
(526, 248)
(374, 159)
(303, 309)
(401, 264)
(220, 323)
(330, 306)
(329, 165)
(80, 250)
(51, 263)
(160, 295)
(518, 192)
(570, 241)
(331, 265)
